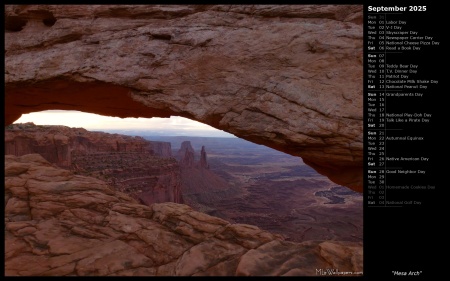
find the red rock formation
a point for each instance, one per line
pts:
(61, 224)
(58, 143)
(166, 189)
(147, 178)
(188, 159)
(200, 186)
(186, 154)
(161, 149)
(132, 165)
(27, 138)
(203, 164)
(288, 77)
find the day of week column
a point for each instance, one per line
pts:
(375, 110)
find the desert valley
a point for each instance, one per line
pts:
(256, 185)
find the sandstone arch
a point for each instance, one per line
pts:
(289, 77)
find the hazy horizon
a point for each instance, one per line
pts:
(173, 126)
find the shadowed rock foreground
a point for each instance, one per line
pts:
(58, 223)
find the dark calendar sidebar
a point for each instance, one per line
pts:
(403, 88)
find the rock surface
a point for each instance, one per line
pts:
(289, 77)
(61, 224)
(140, 168)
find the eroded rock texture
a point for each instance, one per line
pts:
(60, 144)
(289, 77)
(58, 223)
(140, 168)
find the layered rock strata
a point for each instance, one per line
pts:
(58, 144)
(289, 77)
(61, 224)
(142, 169)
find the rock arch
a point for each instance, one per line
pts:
(288, 77)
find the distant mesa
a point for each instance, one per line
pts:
(185, 146)
(186, 156)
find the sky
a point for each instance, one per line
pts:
(173, 126)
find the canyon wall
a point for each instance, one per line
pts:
(58, 143)
(288, 77)
(142, 169)
(161, 148)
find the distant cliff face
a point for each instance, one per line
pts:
(142, 169)
(53, 145)
(57, 144)
(162, 149)
(186, 154)
(285, 76)
(61, 224)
